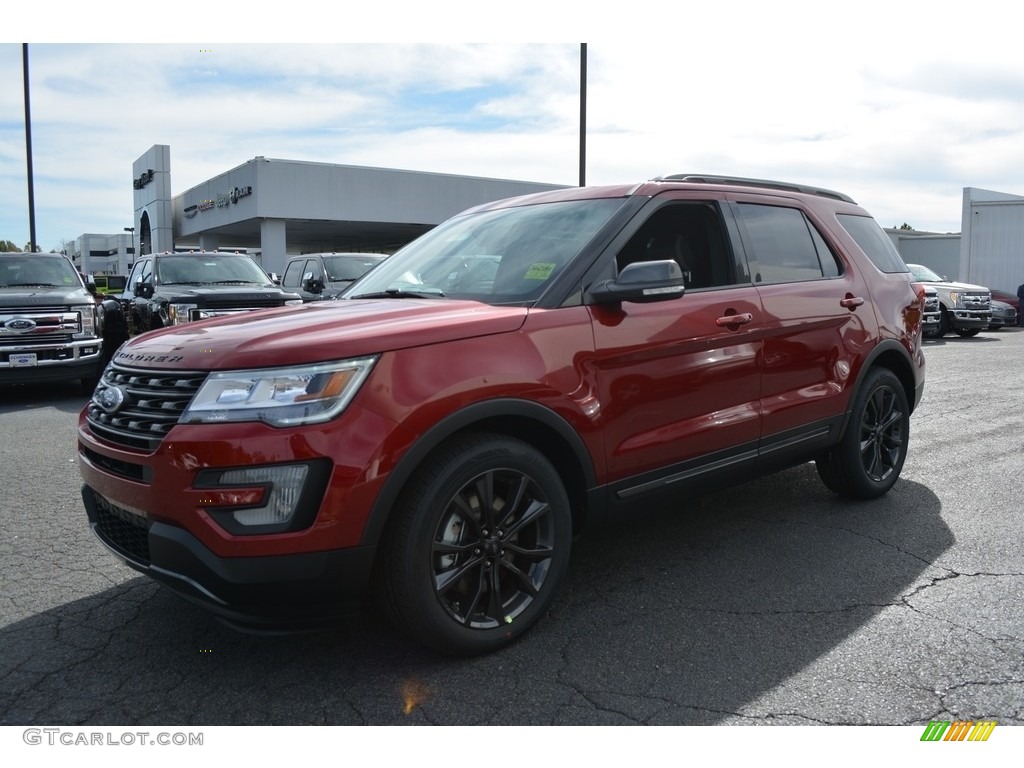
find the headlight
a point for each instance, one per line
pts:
(279, 396)
(956, 298)
(178, 313)
(88, 314)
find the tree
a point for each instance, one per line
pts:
(6, 246)
(904, 225)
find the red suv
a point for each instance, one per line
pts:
(438, 435)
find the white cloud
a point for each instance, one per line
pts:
(899, 107)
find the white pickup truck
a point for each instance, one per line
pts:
(965, 309)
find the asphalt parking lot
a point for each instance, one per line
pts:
(774, 602)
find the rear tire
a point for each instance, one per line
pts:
(869, 457)
(478, 547)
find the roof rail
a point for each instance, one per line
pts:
(785, 186)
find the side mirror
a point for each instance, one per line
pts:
(312, 284)
(641, 282)
(145, 290)
(275, 278)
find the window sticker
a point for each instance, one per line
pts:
(540, 270)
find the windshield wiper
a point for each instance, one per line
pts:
(233, 282)
(401, 293)
(33, 285)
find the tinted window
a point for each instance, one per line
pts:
(293, 275)
(134, 277)
(32, 270)
(873, 241)
(341, 268)
(784, 248)
(692, 235)
(210, 269)
(523, 246)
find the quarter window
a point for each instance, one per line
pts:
(873, 241)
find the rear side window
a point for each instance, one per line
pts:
(787, 248)
(873, 241)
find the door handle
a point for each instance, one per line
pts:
(727, 320)
(851, 302)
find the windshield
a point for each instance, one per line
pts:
(209, 269)
(341, 268)
(505, 256)
(924, 274)
(32, 270)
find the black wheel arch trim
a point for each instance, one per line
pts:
(883, 348)
(459, 421)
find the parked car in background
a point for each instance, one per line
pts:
(963, 308)
(1003, 315)
(317, 276)
(52, 328)
(1008, 298)
(110, 284)
(439, 434)
(173, 288)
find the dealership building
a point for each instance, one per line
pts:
(276, 208)
(273, 209)
(989, 249)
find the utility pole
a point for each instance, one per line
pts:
(583, 114)
(28, 155)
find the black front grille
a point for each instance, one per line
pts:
(124, 531)
(152, 402)
(126, 469)
(256, 302)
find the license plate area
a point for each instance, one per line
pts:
(22, 359)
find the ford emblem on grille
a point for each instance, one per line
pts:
(20, 324)
(110, 399)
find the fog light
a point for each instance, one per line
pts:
(282, 499)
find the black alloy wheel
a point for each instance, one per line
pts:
(868, 459)
(882, 436)
(493, 549)
(478, 547)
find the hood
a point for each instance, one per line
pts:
(955, 286)
(316, 332)
(44, 297)
(200, 293)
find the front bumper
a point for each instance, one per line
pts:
(51, 362)
(284, 592)
(1001, 320)
(967, 320)
(156, 513)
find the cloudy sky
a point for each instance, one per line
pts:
(900, 105)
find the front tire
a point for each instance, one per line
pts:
(869, 456)
(479, 545)
(967, 333)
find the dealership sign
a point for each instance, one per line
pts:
(232, 196)
(143, 180)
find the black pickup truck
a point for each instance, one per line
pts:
(172, 288)
(52, 326)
